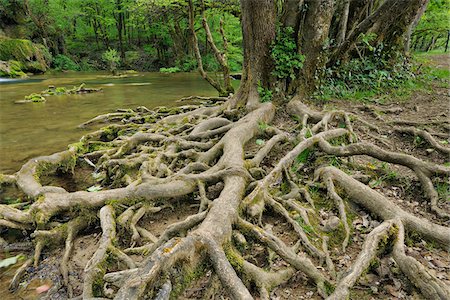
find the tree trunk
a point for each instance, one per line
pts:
(381, 23)
(214, 83)
(430, 45)
(343, 22)
(447, 40)
(258, 33)
(312, 36)
(119, 16)
(413, 25)
(291, 14)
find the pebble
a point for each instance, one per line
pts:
(331, 224)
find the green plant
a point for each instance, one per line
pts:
(375, 70)
(170, 70)
(265, 94)
(262, 126)
(62, 62)
(285, 56)
(303, 156)
(187, 64)
(111, 57)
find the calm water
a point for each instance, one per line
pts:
(34, 129)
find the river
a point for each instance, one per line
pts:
(34, 129)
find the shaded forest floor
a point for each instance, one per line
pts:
(382, 281)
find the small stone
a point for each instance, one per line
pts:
(429, 150)
(331, 224)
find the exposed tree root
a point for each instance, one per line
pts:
(207, 158)
(426, 136)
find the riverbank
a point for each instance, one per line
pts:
(38, 129)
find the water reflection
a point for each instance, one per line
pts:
(33, 129)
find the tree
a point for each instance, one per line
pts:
(433, 26)
(148, 161)
(226, 88)
(112, 58)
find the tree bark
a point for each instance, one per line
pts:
(119, 16)
(381, 23)
(258, 33)
(343, 22)
(446, 42)
(312, 37)
(290, 16)
(413, 25)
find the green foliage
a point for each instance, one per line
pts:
(376, 70)
(443, 190)
(306, 228)
(433, 24)
(111, 57)
(63, 63)
(170, 70)
(265, 94)
(35, 98)
(262, 126)
(154, 33)
(284, 54)
(303, 157)
(187, 64)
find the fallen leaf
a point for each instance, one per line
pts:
(42, 289)
(94, 188)
(10, 261)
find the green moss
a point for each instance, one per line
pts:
(35, 97)
(188, 276)
(33, 57)
(80, 147)
(96, 146)
(65, 166)
(12, 68)
(329, 288)
(235, 260)
(109, 132)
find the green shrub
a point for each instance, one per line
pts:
(285, 56)
(170, 70)
(376, 69)
(131, 57)
(64, 63)
(187, 64)
(112, 58)
(210, 63)
(265, 94)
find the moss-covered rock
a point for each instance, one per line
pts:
(20, 55)
(11, 69)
